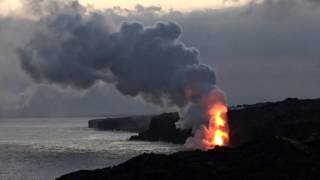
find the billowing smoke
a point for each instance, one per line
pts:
(73, 47)
(76, 49)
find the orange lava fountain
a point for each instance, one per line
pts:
(217, 132)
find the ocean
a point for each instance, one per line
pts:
(46, 148)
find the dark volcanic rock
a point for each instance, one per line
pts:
(270, 158)
(269, 141)
(162, 128)
(298, 119)
(292, 118)
(130, 123)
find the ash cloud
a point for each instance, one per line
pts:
(75, 48)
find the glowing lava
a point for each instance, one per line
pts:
(210, 114)
(217, 133)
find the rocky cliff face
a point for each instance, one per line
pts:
(162, 128)
(293, 118)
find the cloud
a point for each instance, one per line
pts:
(260, 52)
(76, 49)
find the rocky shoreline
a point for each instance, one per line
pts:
(279, 140)
(269, 158)
(293, 118)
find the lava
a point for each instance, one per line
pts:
(218, 124)
(217, 131)
(210, 111)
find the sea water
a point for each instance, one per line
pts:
(46, 148)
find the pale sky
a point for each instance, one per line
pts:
(11, 6)
(184, 5)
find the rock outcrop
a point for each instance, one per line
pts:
(129, 123)
(162, 128)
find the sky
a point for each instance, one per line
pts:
(260, 51)
(181, 5)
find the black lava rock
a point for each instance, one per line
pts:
(293, 118)
(129, 123)
(162, 128)
(278, 140)
(269, 158)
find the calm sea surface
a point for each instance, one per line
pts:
(45, 148)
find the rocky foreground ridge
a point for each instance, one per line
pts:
(269, 141)
(270, 158)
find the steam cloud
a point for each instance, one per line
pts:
(75, 48)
